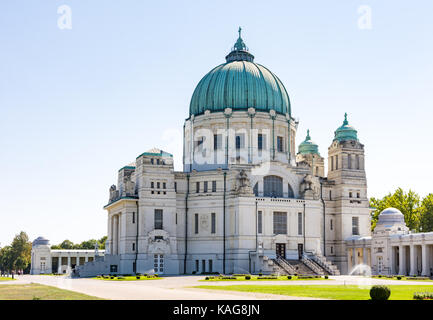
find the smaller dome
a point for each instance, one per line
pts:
(346, 131)
(39, 241)
(308, 146)
(391, 216)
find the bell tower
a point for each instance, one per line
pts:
(348, 207)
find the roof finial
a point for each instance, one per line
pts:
(308, 135)
(345, 122)
(240, 29)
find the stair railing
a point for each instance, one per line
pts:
(285, 265)
(307, 261)
(322, 262)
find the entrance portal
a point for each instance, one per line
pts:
(300, 250)
(281, 250)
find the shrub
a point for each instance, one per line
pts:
(207, 278)
(238, 275)
(423, 296)
(155, 275)
(398, 278)
(194, 272)
(289, 277)
(380, 292)
(379, 276)
(326, 277)
(260, 274)
(138, 277)
(247, 277)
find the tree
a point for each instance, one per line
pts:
(66, 244)
(6, 263)
(426, 214)
(21, 249)
(407, 202)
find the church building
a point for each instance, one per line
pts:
(246, 200)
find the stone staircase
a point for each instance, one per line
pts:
(309, 265)
(325, 264)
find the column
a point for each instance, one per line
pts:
(69, 262)
(349, 261)
(413, 270)
(59, 267)
(355, 253)
(402, 260)
(77, 261)
(392, 267)
(86, 259)
(425, 260)
(364, 255)
(115, 234)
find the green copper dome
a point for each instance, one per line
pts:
(308, 146)
(346, 132)
(240, 84)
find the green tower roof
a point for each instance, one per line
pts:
(308, 146)
(239, 84)
(345, 132)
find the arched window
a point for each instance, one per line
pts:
(290, 193)
(256, 189)
(273, 186)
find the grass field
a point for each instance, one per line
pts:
(35, 291)
(128, 278)
(398, 292)
(6, 278)
(257, 278)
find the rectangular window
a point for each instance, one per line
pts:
(205, 186)
(176, 218)
(259, 222)
(280, 144)
(158, 185)
(197, 187)
(332, 163)
(199, 144)
(260, 141)
(152, 185)
(164, 185)
(175, 186)
(239, 141)
(213, 222)
(196, 223)
(280, 222)
(213, 186)
(330, 195)
(151, 161)
(133, 217)
(358, 195)
(196, 265)
(350, 194)
(331, 224)
(158, 219)
(210, 266)
(203, 266)
(157, 161)
(217, 142)
(300, 223)
(355, 226)
(133, 246)
(336, 162)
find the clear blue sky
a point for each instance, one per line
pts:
(76, 105)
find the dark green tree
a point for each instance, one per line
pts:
(407, 202)
(426, 214)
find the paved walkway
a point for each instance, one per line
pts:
(179, 287)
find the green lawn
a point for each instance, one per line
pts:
(256, 278)
(6, 278)
(128, 278)
(398, 292)
(36, 291)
